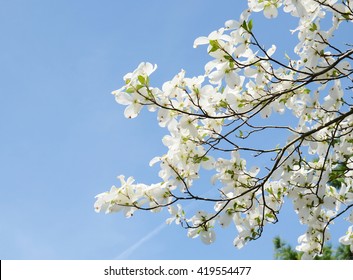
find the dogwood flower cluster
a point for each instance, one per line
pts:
(227, 120)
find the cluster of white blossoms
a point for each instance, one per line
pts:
(233, 105)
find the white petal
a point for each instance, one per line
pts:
(266, 112)
(132, 111)
(208, 237)
(149, 68)
(123, 98)
(231, 24)
(271, 50)
(216, 34)
(201, 41)
(250, 72)
(232, 79)
(154, 160)
(270, 11)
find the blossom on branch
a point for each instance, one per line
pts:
(220, 122)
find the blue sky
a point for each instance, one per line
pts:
(64, 139)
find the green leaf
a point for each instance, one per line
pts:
(337, 175)
(228, 57)
(223, 104)
(313, 27)
(198, 159)
(214, 46)
(138, 87)
(245, 26)
(346, 16)
(130, 90)
(250, 25)
(335, 73)
(142, 79)
(231, 172)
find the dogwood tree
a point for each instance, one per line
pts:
(232, 117)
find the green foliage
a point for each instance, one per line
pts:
(336, 177)
(214, 46)
(313, 27)
(343, 252)
(284, 251)
(247, 25)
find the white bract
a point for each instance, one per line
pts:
(227, 119)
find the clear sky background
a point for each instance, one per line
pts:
(64, 139)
